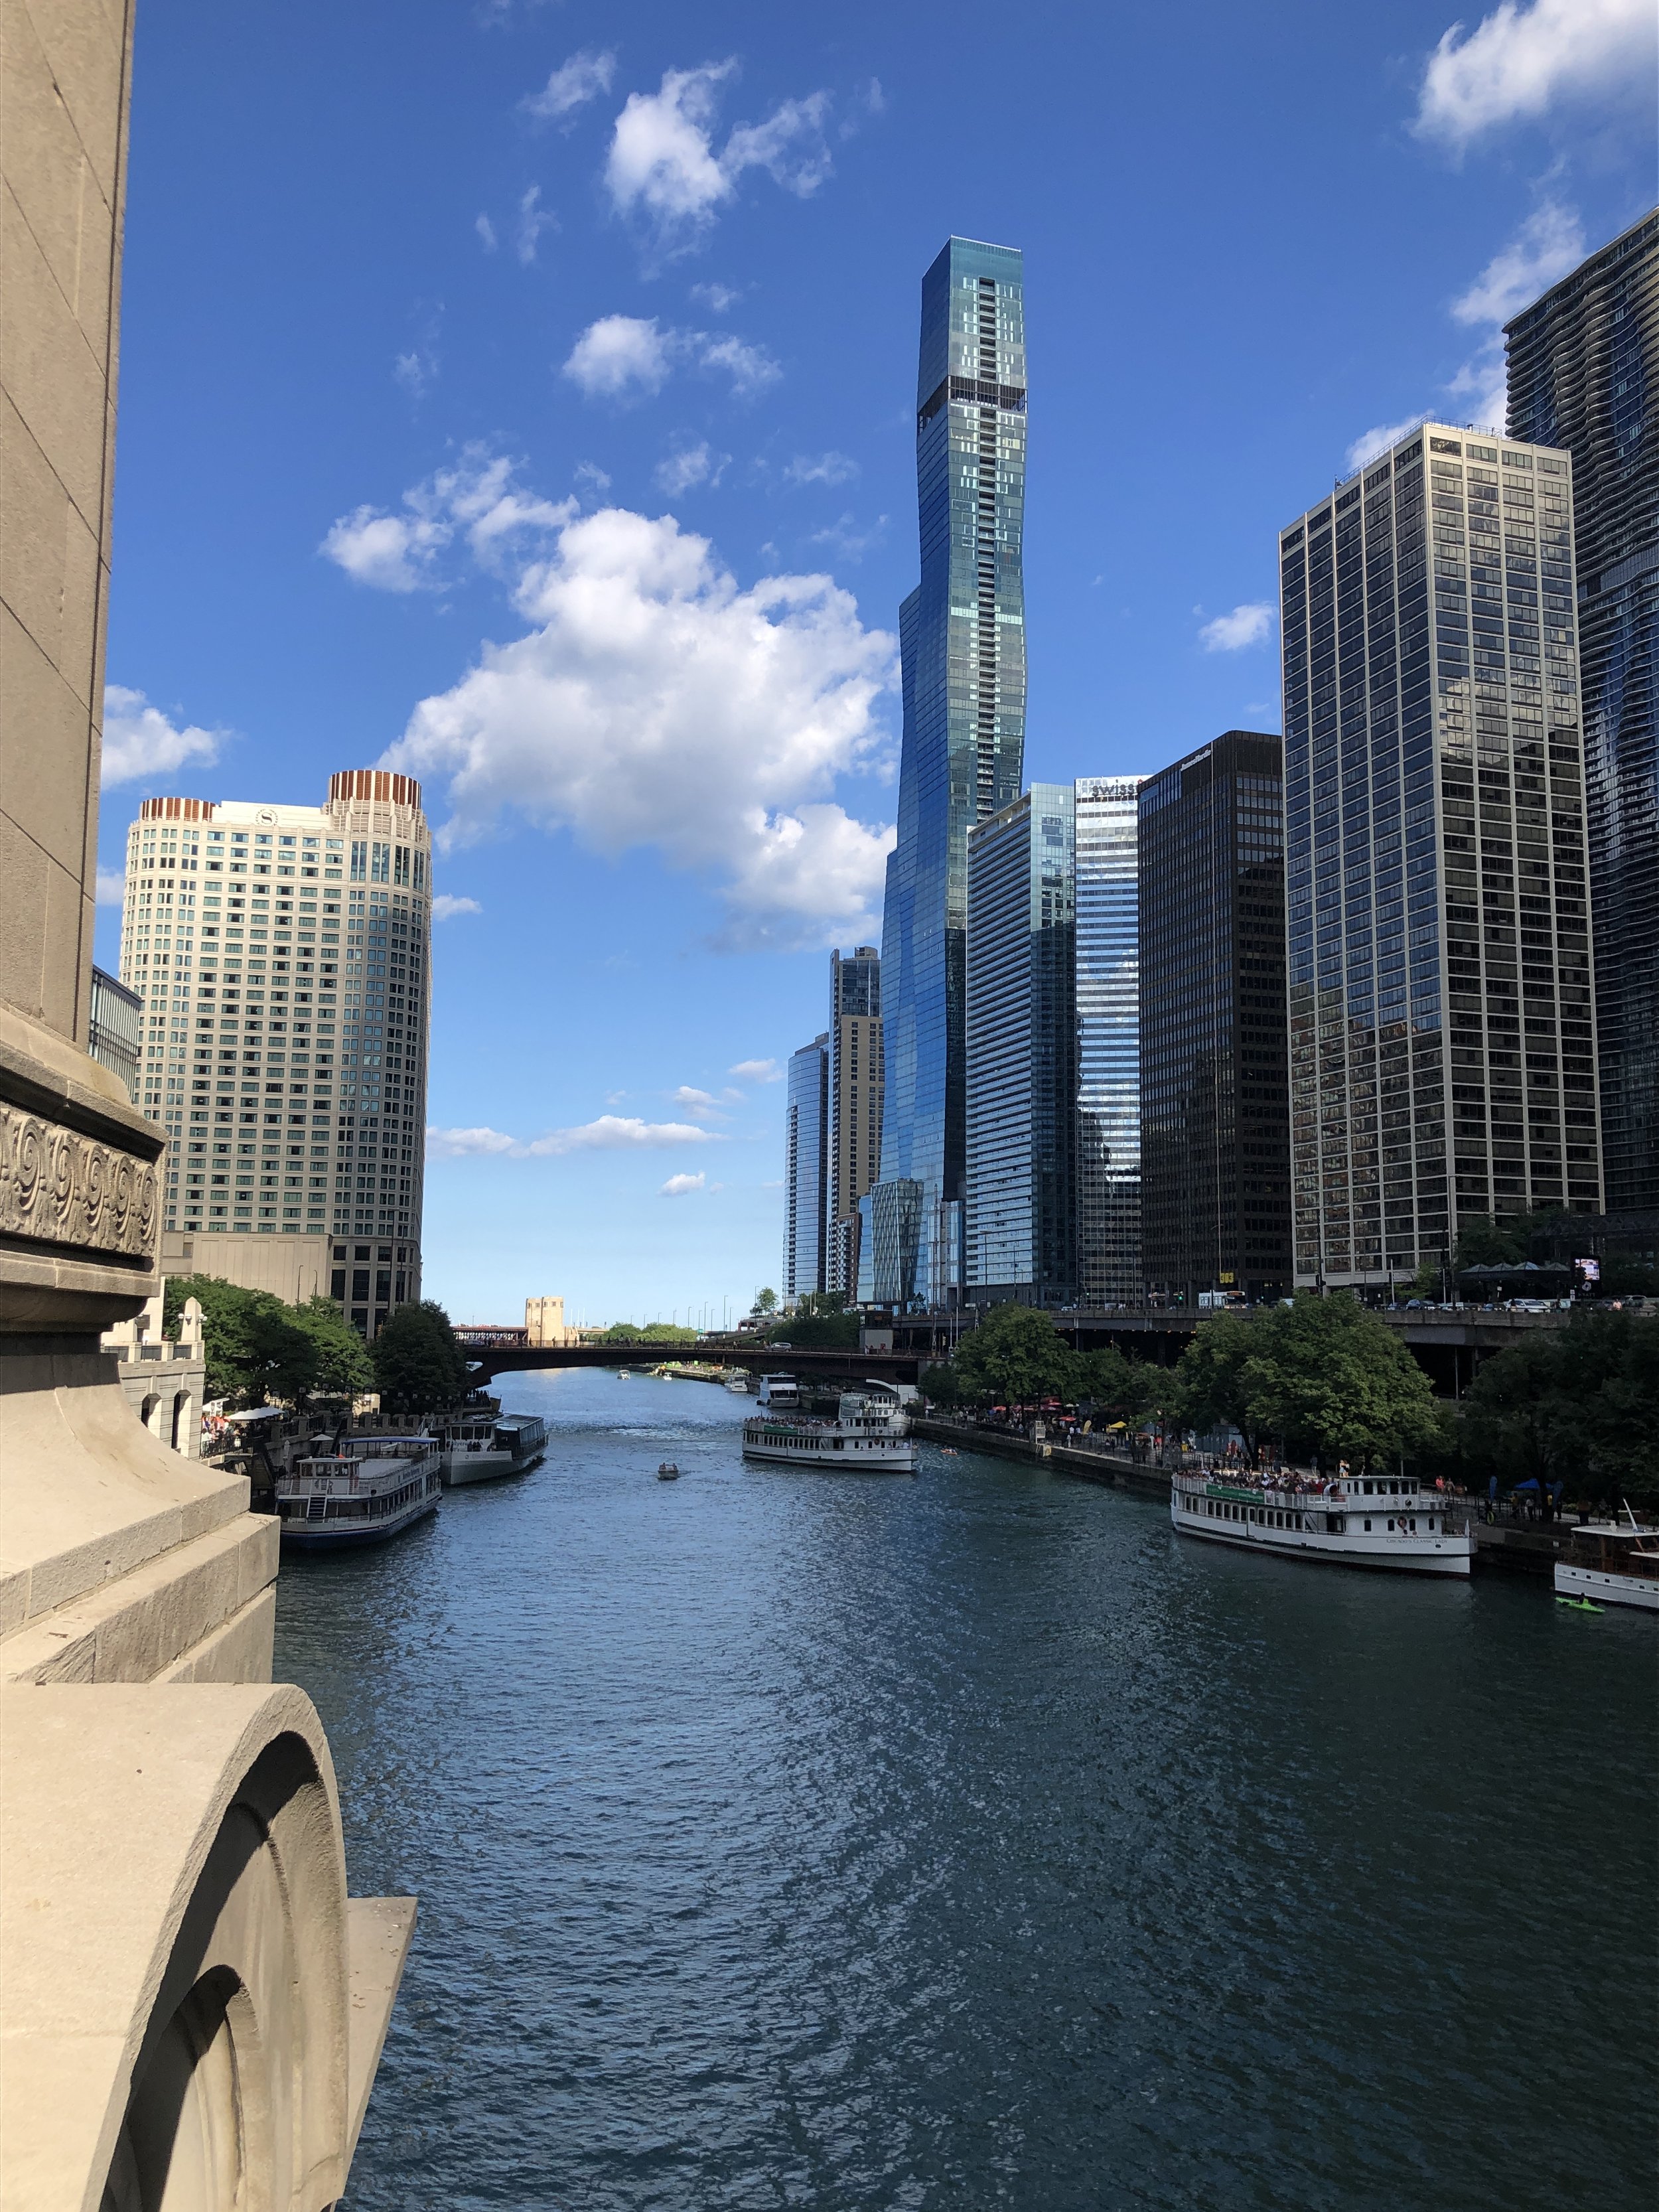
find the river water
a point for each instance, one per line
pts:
(823, 1841)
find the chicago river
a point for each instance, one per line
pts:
(808, 1840)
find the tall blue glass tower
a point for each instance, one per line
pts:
(962, 635)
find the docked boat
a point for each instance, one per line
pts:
(493, 1445)
(1612, 1562)
(779, 1393)
(1377, 1523)
(868, 1436)
(738, 1385)
(367, 1489)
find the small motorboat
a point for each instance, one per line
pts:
(667, 1471)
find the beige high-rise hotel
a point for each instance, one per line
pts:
(282, 954)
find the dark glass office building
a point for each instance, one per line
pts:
(1020, 1212)
(1214, 1105)
(857, 1078)
(806, 1169)
(1584, 374)
(962, 640)
(1442, 1050)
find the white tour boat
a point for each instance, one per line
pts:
(367, 1489)
(1375, 1522)
(480, 1449)
(779, 1393)
(1612, 1562)
(868, 1436)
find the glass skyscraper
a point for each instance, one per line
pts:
(1108, 1042)
(1441, 1041)
(806, 1169)
(1020, 1218)
(1215, 1200)
(1583, 374)
(856, 1081)
(962, 635)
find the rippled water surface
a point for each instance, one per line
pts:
(817, 1841)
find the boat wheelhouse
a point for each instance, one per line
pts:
(1612, 1562)
(367, 1489)
(869, 1435)
(779, 1393)
(492, 1445)
(1381, 1522)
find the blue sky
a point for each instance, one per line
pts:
(523, 393)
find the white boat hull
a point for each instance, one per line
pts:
(1641, 1591)
(839, 1456)
(463, 1468)
(1437, 1552)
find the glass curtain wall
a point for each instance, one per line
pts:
(1584, 374)
(806, 1162)
(962, 643)
(1020, 1218)
(1109, 1040)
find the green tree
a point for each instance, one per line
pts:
(1016, 1355)
(1484, 1242)
(418, 1366)
(827, 1331)
(942, 1386)
(253, 1348)
(1123, 1389)
(343, 1368)
(1578, 1405)
(1323, 1375)
(766, 1302)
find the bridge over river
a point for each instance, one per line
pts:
(1447, 1343)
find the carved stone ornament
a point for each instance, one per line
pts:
(59, 1187)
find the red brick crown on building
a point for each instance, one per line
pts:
(370, 783)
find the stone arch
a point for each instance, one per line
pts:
(219, 1921)
(150, 1412)
(182, 1404)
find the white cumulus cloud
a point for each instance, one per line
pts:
(112, 887)
(653, 703)
(691, 466)
(571, 86)
(610, 1133)
(1378, 438)
(475, 500)
(681, 1185)
(756, 1071)
(1519, 63)
(533, 220)
(620, 356)
(663, 167)
(820, 468)
(1246, 625)
(446, 906)
(140, 743)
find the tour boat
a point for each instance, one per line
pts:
(869, 1435)
(367, 1489)
(782, 1393)
(493, 1444)
(1615, 1563)
(1350, 1523)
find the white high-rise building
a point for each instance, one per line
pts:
(1109, 1039)
(283, 955)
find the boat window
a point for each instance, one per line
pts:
(1367, 1527)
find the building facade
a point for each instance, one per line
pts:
(1020, 1214)
(1583, 375)
(283, 955)
(962, 637)
(1107, 812)
(1442, 1034)
(857, 1080)
(1215, 1198)
(806, 1169)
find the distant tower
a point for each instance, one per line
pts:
(1215, 1180)
(856, 1083)
(284, 957)
(1109, 1040)
(1020, 1230)
(806, 1169)
(1583, 367)
(962, 632)
(1442, 1049)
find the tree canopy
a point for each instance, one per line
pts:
(654, 1332)
(1016, 1355)
(343, 1367)
(418, 1366)
(1578, 1405)
(1323, 1375)
(255, 1348)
